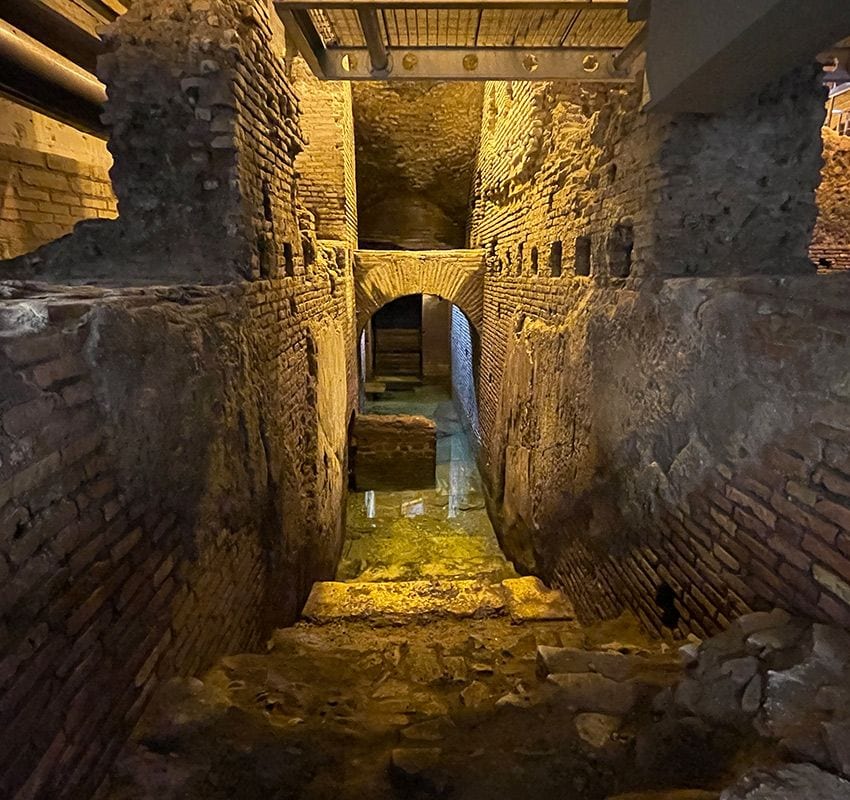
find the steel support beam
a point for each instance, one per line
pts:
(478, 64)
(706, 57)
(634, 49)
(378, 54)
(53, 29)
(302, 31)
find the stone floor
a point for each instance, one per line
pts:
(429, 669)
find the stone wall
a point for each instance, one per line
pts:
(641, 433)
(326, 173)
(831, 241)
(393, 452)
(416, 144)
(51, 177)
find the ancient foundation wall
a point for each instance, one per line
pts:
(575, 180)
(51, 177)
(641, 432)
(172, 458)
(696, 436)
(172, 473)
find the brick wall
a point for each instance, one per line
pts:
(204, 136)
(636, 431)
(326, 174)
(564, 164)
(393, 452)
(465, 355)
(830, 247)
(172, 459)
(51, 177)
(385, 275)
(159, 505)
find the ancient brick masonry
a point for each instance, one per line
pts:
(454, 275)
(43, 195)
(326, 176)
(213, 78)
(172, 460)
(689, 433)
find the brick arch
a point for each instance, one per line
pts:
(381, 276)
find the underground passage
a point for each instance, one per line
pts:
(424, 399)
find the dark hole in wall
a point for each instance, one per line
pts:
(534, 260)
(556, 254)
(401, 313)
(665, 599)
(308, 250)
(519, 257)
(621, 243)
(582, 262)
(288, 259)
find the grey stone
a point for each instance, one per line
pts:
(789, 782)
(837, 736)
(831, 647)
(475, 695)
(591, 692)
(740, 670)
(751, 699)
(596, 729)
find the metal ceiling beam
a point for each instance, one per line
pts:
(531, 5)
(635, 48)
(479, 64)
(52, 28)
(301, 30)
(34, 57)
(40, 78)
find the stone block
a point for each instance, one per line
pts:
(394, 452)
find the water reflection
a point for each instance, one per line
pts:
(436, 533)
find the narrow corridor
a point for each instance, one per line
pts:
(423, 671)
(436, 533)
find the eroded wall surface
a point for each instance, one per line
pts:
(831, 241)
(172, 457)
(51, 177)
(326, 169)
(640, 429)
(416, 144)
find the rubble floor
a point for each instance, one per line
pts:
(419, 673)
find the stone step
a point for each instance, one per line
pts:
(385, 602)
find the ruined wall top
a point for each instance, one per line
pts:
(203, 131)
